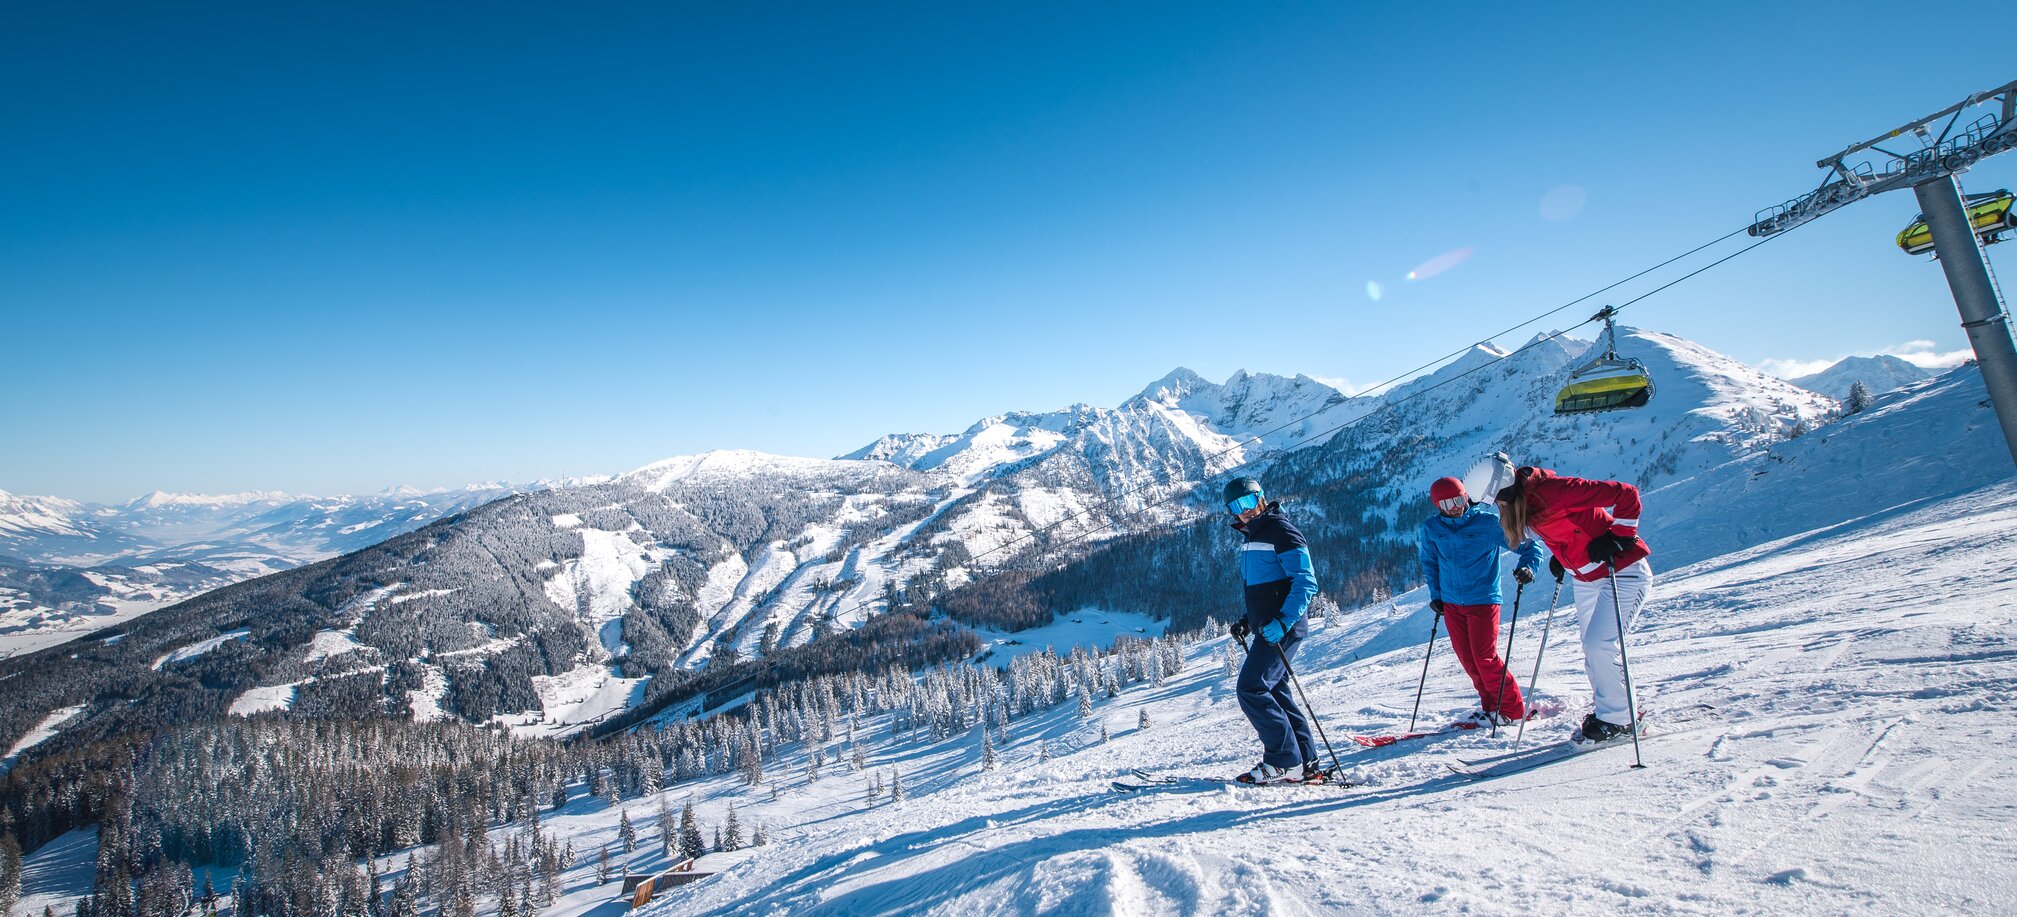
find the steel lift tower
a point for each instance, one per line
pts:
(1929, 172)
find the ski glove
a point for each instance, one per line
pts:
(1436, 605)
(1240, 630)
(1607, 546)
(1556, 569)
(1523, 575)
(1274, 631)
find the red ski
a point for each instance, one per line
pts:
(1383, 741)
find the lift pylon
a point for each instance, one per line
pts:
(1929, 171)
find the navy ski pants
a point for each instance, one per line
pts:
(1266, 699)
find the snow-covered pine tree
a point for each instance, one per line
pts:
(690, 842)
(986, 750)
(731, 831)
(1085, 702)
(1104, 738)
(1859, 398)
(668, 831)
(895, 786)
(1043, 750)
(602, 865)
(626, 832)
(1142, 723)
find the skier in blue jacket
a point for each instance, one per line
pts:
(1460, 548)
(1280, 582)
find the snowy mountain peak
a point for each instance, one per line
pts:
(1879, 374)
(1176, 386)
(160, 499)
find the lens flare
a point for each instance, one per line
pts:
(1374, 291)
(1441, 263)
(1563, 202)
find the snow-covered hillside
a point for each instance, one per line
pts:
(78, 567)
(1848, 614)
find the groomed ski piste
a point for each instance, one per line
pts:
(1846, 602)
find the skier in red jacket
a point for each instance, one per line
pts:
(1592, 528)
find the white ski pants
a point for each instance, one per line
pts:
(1598, 612)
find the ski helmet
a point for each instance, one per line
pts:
(1491, 474)
(1448, 495)
(1240, 487)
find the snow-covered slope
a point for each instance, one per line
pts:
(1858, 660)
(1880, 373)
(1857, 737)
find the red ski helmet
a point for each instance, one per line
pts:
(1448, 494)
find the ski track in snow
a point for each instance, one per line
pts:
(1857, 762)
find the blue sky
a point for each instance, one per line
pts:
(338, 248)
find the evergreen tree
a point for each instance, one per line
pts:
(602, 865)
(690, 843)
(731, 832)
(1142, 724)
(895, 786)
(1085, 702)
(1043, 750)
(10, 873)
(626, 832)
(1104, 738)
(987, 761)
(1859, 398)
(668, 830)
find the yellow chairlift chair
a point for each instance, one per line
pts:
(1607, 383)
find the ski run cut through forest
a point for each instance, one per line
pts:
(1832, 640)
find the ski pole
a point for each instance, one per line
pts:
(1425, 670)
(1506, 664)
(1547, 624)
(1336, 768)
(1625, 662)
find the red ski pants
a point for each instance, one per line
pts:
(1474, 633)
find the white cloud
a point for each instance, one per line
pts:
(1922, 355)
(1918, 353)
(1794, 369)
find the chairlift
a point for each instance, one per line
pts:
(1990, 214)
(1607, 383)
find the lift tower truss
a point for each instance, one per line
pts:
(1929, 171)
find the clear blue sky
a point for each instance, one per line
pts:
(336, 247)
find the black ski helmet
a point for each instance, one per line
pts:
(1240, 487)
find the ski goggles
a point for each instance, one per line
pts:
(1243, 504)
(1452, 504)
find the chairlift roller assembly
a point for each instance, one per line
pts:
(1607, 383)
(1990, 215)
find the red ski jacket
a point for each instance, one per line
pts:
(1567, 512)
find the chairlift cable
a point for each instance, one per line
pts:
(1207, 459)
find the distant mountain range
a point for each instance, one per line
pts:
(557, 610)
(68, 567)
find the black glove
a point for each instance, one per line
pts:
(1240, 630)
(1607, 546)
(1436, 604)
(1523, 575)
(1556, 569)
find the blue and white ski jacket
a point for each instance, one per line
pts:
(1460, 557)
(1275, 565)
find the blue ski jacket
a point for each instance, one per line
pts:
(1460, 557)
(1275, 566)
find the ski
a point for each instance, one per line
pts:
(1386, 740)
(1650, 726)
(1147, 780)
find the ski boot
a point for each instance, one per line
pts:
(1596, 730)
(1265, 773)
